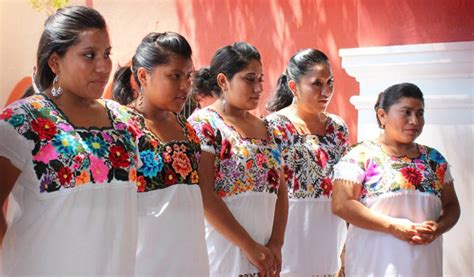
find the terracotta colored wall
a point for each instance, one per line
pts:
(278, 29)
(388, 22)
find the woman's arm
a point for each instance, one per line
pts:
(279, 223)
(219, 216)
(449, 216)
(346, 206)
(7, 180)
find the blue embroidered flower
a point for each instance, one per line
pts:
(98, 146)
(436, 156)
(276, 155)
(17, 120)
(152, 163)
(64, 144)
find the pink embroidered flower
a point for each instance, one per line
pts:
(260, 159)
(99, 169)
(65, 127)
(181, 164)
(46, 154)
(167, 157)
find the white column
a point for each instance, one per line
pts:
(445, 74)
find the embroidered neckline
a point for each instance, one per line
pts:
(266, 140)
(62, 115)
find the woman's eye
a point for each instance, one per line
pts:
(318, 84)
(90, 56)
(107, 55)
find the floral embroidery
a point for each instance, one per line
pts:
(63, 156)
(241, 164)
(384, 173)
(170, 163)
(309, 159)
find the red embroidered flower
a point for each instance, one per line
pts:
(342, 136)
(330, 129)
(412, 175)
(288, 173)
(326, 186)
(44, 128)
(322, 157)
(296, 185)
(134, 130)
(64, 175)
(208, 132)
(141, 183)
(226, 150)
(6, 114)
(192, 134)
(290, 128)
(119, 157)
(170, 177)
(272, 177)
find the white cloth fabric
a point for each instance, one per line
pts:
(164, 215)
(327, 233)
(254, 211)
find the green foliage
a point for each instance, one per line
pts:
(50, 6)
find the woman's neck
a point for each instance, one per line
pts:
(397, 148)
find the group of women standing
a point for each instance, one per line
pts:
(131, 187)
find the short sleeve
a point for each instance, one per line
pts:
(440, 165)
(342, 136)
(13, 145)
(207, 133)
(351, 167)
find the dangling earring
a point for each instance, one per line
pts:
(295, 100)
(56, 92)
(223, 104)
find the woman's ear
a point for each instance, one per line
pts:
(53, 62)
(142, 75)
(222, 81)
(382, 116)
(292, 86)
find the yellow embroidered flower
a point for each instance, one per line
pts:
(36, 105)
(194, 177)
(244, 152)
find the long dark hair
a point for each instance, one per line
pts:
(229, 60)
(299, 65)
(393, 94)
(155, 49)
(61, 31)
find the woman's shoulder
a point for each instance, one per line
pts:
(432, 154)
(337, 120)
(203, 116)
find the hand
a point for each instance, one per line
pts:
(403, 229)
(261, 257)
(427, 232)
(275, 250)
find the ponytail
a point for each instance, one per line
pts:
(122, 90)
(282, 97)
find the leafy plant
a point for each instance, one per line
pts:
(50, 6)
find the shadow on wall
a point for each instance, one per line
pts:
(278, 29)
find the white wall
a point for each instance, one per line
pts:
(445, 74)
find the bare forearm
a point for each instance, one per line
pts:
(280, 218)
(219, 216)
(359, 215)
(449, 218)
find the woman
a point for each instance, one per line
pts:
(171, 238)
(245, 206)
(397, 195)
(68, 158)
(312, 142)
